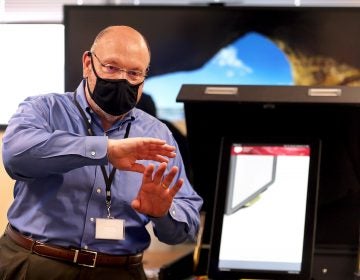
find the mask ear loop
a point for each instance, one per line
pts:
(89, 54)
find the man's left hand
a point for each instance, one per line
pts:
(156, 193)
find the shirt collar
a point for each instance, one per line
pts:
(80, 96)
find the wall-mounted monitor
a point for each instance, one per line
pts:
(265, 208)
(225, 45)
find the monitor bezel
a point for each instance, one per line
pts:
(220, 208)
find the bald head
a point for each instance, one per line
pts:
(120, 46)
(123, 32)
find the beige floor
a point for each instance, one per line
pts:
(159, 254)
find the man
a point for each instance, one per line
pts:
(86, 176)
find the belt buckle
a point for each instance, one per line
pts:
(75, 260)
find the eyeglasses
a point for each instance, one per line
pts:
(134, 76)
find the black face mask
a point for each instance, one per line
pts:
(114, 96)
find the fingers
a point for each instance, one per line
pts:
(155, 141)
(160, 173)
(168, 179)
(170, 176)
(158, 177)
(157, 150)
(159, 154)
(159, 158)
(148, 173)
(173, 191)
(156, 145)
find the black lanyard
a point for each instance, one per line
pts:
(108, 179)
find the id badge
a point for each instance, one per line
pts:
(113, 229)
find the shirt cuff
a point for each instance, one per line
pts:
(172, 214)
(96, 148)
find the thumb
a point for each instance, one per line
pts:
(135, 204)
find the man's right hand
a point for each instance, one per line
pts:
(123, 153)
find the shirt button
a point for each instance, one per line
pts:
(91, 219)
(85, 247)
(98, 190)
(93, 153)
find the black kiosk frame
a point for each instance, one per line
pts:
(329, 114)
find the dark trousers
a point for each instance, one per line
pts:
(17, 263)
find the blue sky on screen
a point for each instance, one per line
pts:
(250, 60)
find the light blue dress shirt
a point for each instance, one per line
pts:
(60, 190)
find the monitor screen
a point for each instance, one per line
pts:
(265, 206)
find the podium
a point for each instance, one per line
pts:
(330, 114)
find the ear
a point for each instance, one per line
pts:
(86, 61)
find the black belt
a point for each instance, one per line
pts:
(77, 256)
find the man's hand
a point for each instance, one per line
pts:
(156, 195)
(124, 153)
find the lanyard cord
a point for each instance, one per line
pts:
(108, 179)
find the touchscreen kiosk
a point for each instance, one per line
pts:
(265, 207)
